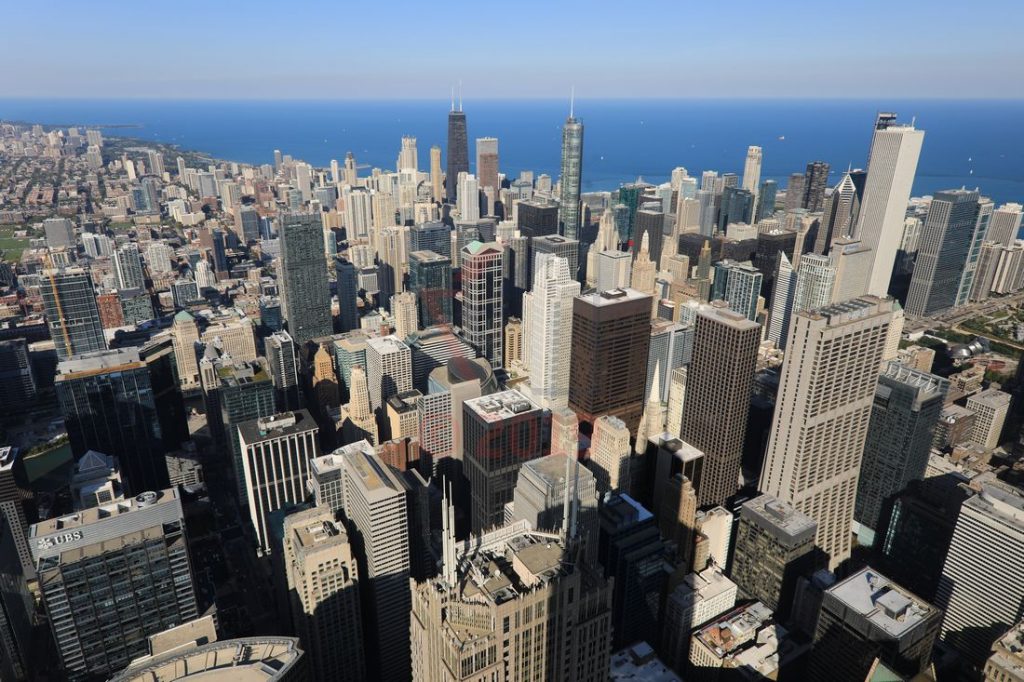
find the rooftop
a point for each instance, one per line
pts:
(639, 662)
(612, 296)
(99, 361)
(892, 609)
(991, 397)
(500, 406)
(384, 345)
(849, 311)
(251, 659)
(276, 426)
(720, 312)
(780, 518)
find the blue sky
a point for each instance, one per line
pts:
(522, 48)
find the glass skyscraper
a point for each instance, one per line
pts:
(306, 297)
(430, 278)
(572, 170)
(71, 312)
(458, 151)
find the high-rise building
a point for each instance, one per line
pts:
(373, 502)
(537, 217)
(906, 408)
(822, 412)
(71, 312)
(892, 163)
(982, 584)
(276, 451)
(388, 369)
(513, 342)
(487, 162)
(323, 581)
(719, 384)
(610, 340)
(1004, 228)
(814, 185)
(990, 408)
(185, 335)
(282, 366)
(564, 639)
(774, 547)
(867, 620)
(431, 236)
(566, 248)
(671, 348)
(436, 177)
(840, 210)
(1007, 659)
(569, 224)
(128, 267)
(100, 624)
(501, 432)
(458, 150)
(16, 376)
(482, 299)
(548, 314)
(540, 494)
(347, 278)
(108, 403)
(469, 198)
(430, 279)
(739, 285)
(752, 169)
(950, 246)
(403, 307)
(357, 418)
(698, 598)
(60, 233)
(305, 293)
(783, 293)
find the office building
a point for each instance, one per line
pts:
(323, 581)
(430, 279)
(840, 210)
(990, 408)
(373, 502)
(614, 270)
(501, 432)
(347, 278)
(892, 163)
(71, 313)
(610, 340)
(1004, 228)
(540, 494)
(949, 250)
(739, 284)
(275, 462)
(867, 618)
(982, 583)
(16, 376)
(745, 643)
(111, 576)
(388, 369)
(537, 217)
(357, 420)
(1007, 660)
(458, 150)
(774, 548)
(560, 639)
(487, 163)
(548, 313)
(185, 335)
(468, 201)
(128, 267)
(556, 245)
(783, 296)
(305, 293)
(13, 504)
(815, 182)
(698, 598)
(403, 308)
(482, 299)
(752, 169)
(671, 348)
(513, 342)
(906, 408)
(108, 403)
(822, 412)
(432, 348)
(719, 383)
(283, 370)
(569, 223)
(431, 236)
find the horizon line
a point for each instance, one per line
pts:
(525, 98)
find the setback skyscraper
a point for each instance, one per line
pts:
(572, 170)
(548, 311)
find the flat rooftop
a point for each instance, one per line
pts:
(277, 426)
(781, 519)
(252, 659)
(612, 296)
(500, 406)
(99, 361)
(889, 607)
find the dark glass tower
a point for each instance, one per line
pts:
(572, 171)
(458, 150)
(305, 293)
(71, 312)
(430, 278)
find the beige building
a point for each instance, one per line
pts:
(403, 307)
(235, 335)
(1006, 664)
(990, 407)
(323, 584)
(610, 454)
(826, 390)
(511, 605)
(184, 334)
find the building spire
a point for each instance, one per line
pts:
(460, 94)
(572, 101)
(453, 98)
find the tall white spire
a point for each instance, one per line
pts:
(572, 101)
(460, 95)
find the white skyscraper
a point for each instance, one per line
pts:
(826, 390)
(548, 309)
(891, 167)
(469, 198)
(752, 170)
(304, 180)
(403, 307)
(782, 302)
(388, 369)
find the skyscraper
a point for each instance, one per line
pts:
(374, 504)
(814, 185)
(458, 150)
(305, 293)
(16, 375)
(892, 163)
(906, 407)
(611, 338)
(128, 267)
(1005, 224)
(108, 404)
(430, 278)
(323, 581)
(487, 162)
(436, 177)
(948, 254)
(388, 369)
(347, 278)
(548, 311)
(71, 312)
(752, 169)
(572, 170)
(403, 307)
(282, 366)
(841, 210)
(501, 431)
(275, 460)
(719, 382)
(482, 299)
(610, 455)
(822, 412)
(110, 577)
(469, 198)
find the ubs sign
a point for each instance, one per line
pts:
(54, 540)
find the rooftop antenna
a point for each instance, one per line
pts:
(460, 94)
(572, 100)
(913, 120)
(453, 98)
